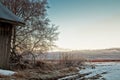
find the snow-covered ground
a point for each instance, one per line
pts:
(111, 70)
(102, 70)
(6, 72)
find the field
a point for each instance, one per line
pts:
(102, 71)
(76, 65)
(112, 54)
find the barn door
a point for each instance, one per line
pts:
(5, 43)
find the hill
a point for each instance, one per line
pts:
(112, 53)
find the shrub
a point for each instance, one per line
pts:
(69, 59)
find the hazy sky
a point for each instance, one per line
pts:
(86, 24)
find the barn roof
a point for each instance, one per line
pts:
(7, 16)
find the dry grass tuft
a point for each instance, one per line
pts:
(44, 65)
(69, 70)
(20, 74)
(3, 76)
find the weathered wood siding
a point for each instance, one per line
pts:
(5, 43)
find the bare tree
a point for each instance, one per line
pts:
(38, 33)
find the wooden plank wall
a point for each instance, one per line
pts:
(5, 43)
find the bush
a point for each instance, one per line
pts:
(69, 59)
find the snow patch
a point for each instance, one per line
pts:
(6, 72)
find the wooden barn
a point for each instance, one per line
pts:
(8, 21)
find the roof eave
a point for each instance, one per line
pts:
(12, 22)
